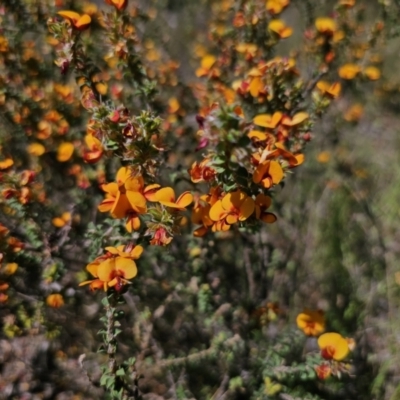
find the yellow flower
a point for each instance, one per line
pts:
(325, 25)
(267, 120)
(249, 49)
(312, 323)
(297, 119)
(207, 62)
(201, 216)
(55, 300)
(36, 149)
(61, 221)
(115, 268)
(349, 71)
(166, 197)
(5, 164)
(333, 346)
(234, 207)
(354, 113)
(79, 22)
(268, 173)
(276, 6)
(65, 151)
(331, 90)
(324, 157)
(95, 149)
(347, 3)
(10, 268)
(279, 27)
(124, 196)
(118, 4)
(372, 73)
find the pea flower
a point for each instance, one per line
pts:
(333, 346)
(115, 268)
(55, 300)
(166, 197)
(234, 207)
(118, 4)
(311, 322)
(79, 22)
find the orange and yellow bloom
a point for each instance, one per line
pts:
(311, 322)
(79, 22)
(232, 208)
(333, 346)
(115, 268)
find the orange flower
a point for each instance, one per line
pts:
(258, 136)
(326, 25)
(267, 120)
(372, 73)
(166, 197)
(201, 216)
(249, 49)
(79, 22)
(276, 6)
(279, 27)
(324, 157)
(161, 237)
(312, 323)
(36, 149)
(65, 151)
(5, 164)
(55, 300)
(297, 119)
(323, 371)
(347, 3)
(115, 268)
(118, 4)
(124, 196)
(10, 269)
(207, 62)
(333, 346)
(95, 149)
(61, 221)
(349, 71)
(268, 173)
(201, 172)
(354, 113)
(326, 88)
(262, 203)
(234, 207)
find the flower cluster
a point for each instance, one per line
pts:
(256, 117)
(334, 347)
(128, 199)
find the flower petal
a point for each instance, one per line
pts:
(121, 206)
(136, 252)
(275, 171)
(105, 270)
(137, 201)
(268, 218)
(125, 267)
(165, 195)
(122, 175)
(132, 223)
(92, 268)
(217, 212)
(246, 209)
(150, 192)
(184, 199)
